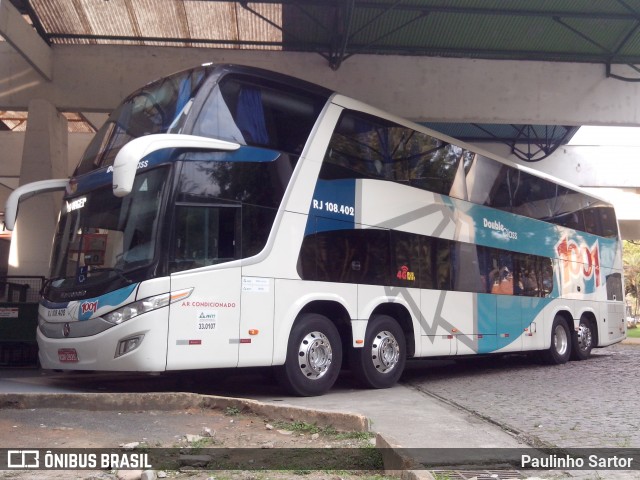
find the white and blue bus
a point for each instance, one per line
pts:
(228, 216)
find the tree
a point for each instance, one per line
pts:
(631, 263)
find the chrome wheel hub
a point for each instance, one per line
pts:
(315, 355)
(385, 352)
(560, 340)
(584, 337)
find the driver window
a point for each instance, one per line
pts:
(204, 235)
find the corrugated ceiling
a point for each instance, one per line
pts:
(602, 31)
(17, 122)
(188, 23)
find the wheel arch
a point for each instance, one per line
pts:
(400, 314)
(334, 311)
(566, 315)
(292, 302)
(337, 314)
(591, 316)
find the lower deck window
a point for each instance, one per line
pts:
(384, 257)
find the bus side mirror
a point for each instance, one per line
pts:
(126, 162)
(26, 191)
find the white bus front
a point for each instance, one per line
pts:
(177, 191)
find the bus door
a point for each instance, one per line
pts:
(204, 328)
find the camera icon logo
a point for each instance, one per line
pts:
(23, 459)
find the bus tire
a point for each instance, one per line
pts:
(560, 349)
(582, 341)
(380, 362)
(314, 357)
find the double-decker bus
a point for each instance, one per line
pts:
(228, 216)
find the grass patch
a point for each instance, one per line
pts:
(633, 332)
(311, 428)
(232, 411)
(363, 436)
(305, 427)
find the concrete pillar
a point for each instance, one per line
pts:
(44, 157)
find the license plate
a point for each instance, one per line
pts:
(67, 355)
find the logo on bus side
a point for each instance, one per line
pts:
(405, 274)
(499, 227)
(579, 261)
(141, 164)
(76, 204)
(89, 307)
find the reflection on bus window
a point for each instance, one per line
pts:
(204, 235)
(159, 107)
(363, 146)
(251, 111)
(382, 257)
(367, 147)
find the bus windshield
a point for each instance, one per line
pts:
(101, 237)
(160, 107)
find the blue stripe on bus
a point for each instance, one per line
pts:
(87, 307)
(332, 206)
(103, 176)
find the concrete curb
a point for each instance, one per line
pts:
(394, 461)
(177, 401)
(398, 464)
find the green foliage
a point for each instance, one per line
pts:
(304, 427)
(354, 435)
(633, 332)
(329, 431)
(631, 263)
(232, 411)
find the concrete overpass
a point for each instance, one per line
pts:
(47, 79)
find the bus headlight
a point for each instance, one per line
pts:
(145, 305)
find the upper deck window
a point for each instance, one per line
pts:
(159, 107)
(257, 112)
(364, 146)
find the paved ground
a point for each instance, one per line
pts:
(580, 404)
(480, 402)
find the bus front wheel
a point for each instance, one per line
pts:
(314, 356)
(560, 349)
(380, 362)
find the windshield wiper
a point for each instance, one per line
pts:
(47, 283)
(117, 271)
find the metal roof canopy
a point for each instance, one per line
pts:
(603, 31)
(606, 31)
(530, 143)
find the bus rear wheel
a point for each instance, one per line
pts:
(560, 349)
(314, 356)
(380, 362)
(582, 341)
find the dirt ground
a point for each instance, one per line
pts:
(193, 432)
